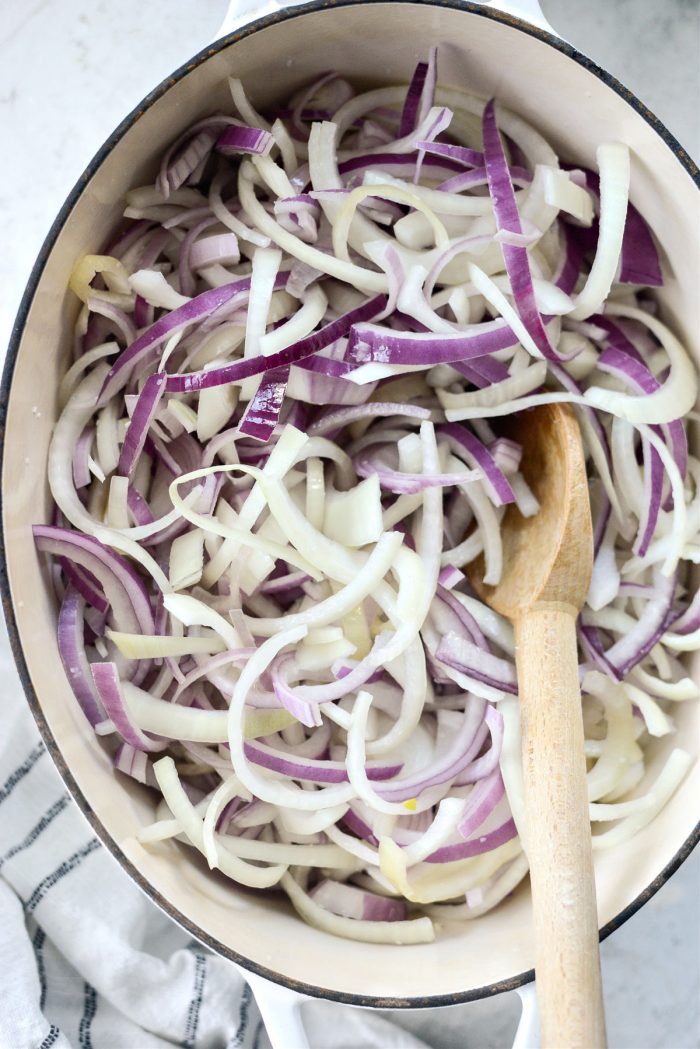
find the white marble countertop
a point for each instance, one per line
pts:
(71, 69)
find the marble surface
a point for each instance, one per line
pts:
(71, 69)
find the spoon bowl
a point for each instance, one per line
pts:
(549, 556)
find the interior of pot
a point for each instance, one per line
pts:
(372, 42)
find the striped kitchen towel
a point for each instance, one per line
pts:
(86, 960)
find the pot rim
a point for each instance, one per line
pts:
(371, 1001)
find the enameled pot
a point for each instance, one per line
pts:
(509, 52)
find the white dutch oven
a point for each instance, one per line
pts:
(506, 50)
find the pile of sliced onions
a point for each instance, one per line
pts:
(278, 450)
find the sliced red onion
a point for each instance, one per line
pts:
(188, 152)
(123, 588)
(639, 258)
(282, 584)
(466, 620)
(482, 372)
(145, 346)
(592, 645)
(235, 139)
(186, 453)
(506, 454)
(127, 238)
(310, 770)
(75, 662)
(470, 659)
(299, 214)
(372, 343)
(134, 763)
(341, 670)
(572, 261)
(373, 134)
(228, 815)
(450, 577)
(301, 277)
(600, 521)
(316, 747)
(351, 902)
(620, 358)
(340, 91)
(505, 209)
(108, 685)
(478, 177)
(402, 165)
(138, 507)
(81, 455)
(318, 380)
(85, 583)
(359, 828)
(377, 208)
(689, 621)
(307, 713)
(220, 247)
(153, 248)
(493, 839)
(657, 617)
(327, 363)
(142, 312)
(184, 270)
(338, 418)
(485, 764)
(468, 447)
(481, 803)
(420, 96)
(119, 323)
(466, 746)
(460, 154)
(158, 450)
(263, 411)
(146, 408)
(401, 483)
(437, 120)
(618, 363)
(243, 369)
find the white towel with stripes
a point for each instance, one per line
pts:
(86, 960)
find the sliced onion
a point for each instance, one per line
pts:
(267, 498)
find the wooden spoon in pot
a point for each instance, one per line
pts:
(547, 562)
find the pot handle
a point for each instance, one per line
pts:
(240, 12)
(528, 1034)
(280, 1010)
(527, 10)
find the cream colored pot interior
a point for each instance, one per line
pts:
(374, 42)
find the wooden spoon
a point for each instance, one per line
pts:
(547, 561)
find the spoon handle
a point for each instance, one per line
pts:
(567, 958)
